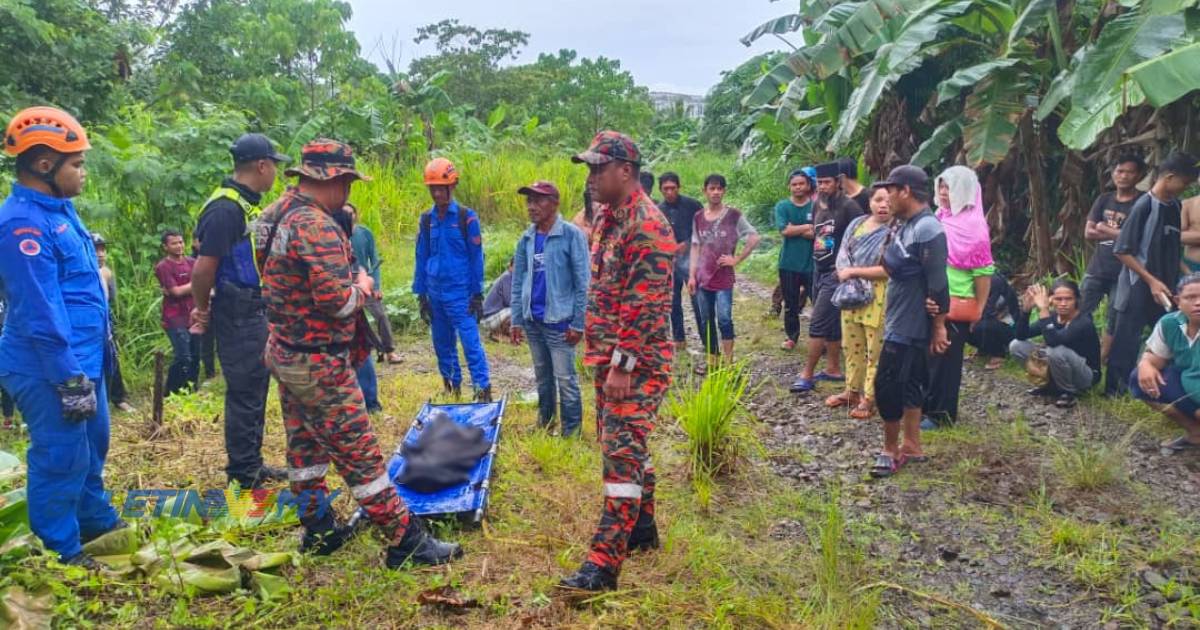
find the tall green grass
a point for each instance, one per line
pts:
(709, 415)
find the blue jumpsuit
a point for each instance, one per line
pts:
(57, 327)
(448, 272)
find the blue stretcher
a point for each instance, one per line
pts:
(467, 502)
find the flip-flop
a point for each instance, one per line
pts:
(917, 459)
(885, 465)
(825, 376)
(837, 400)
(1179, 444)
(802, 385)
(862, 413)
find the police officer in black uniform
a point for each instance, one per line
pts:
(236, 313)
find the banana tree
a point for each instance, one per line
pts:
(1130, 56)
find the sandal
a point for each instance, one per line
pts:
(838, 400)
(832, 378)
(1179, 444)
(995, 363)
(802, 385)
(700, 370)
(864, 411)
(885, 465)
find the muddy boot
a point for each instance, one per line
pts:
(451, 389)
(324, 536)
(644, 536)
(484, 395)
(420, 547)
(591, 577)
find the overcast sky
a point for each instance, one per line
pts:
(670, 45)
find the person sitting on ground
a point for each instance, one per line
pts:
(715, 237)
(1168, 376)
(996, 328)
(1149, 247)
(1103, 227)
(794, 220)
(969, 272)
(860, 296)
(497, 306)
(1072, 350)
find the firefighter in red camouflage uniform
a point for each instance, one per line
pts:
(313, 300)
(628, 332)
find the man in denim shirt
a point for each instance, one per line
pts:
(550, 282)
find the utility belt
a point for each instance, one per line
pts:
(329, 348)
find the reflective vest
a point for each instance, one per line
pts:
(239, 266)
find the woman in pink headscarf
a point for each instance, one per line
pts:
(969, 272)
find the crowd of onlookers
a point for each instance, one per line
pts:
(901, 279)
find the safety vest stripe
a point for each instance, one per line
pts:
(623, 490)
(250, 211)
(368, 490)
(309, 473)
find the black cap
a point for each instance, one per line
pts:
(907, 175)
(828, 170)
(848, 168)
(255, 146)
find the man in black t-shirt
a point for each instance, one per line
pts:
(1103, 226)
(831, 216)
(681, 212)
(1150, 251)
(238, 317)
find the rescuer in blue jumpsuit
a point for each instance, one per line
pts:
(55, 347)
(448, 281)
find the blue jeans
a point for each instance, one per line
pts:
(185, 365)
(554, 368)
(716, 315)
(369, 384)
(66, 465)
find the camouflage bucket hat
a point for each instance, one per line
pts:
(608, 146)
(324, 159)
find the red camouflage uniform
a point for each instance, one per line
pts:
(312, 305)
(629, 309)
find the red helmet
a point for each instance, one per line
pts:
(46, 126)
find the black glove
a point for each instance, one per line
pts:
(476, 308)
(78, 396)
(426, 311)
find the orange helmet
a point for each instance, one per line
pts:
(47, 126)
(440, 172)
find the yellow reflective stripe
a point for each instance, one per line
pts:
(251, 212)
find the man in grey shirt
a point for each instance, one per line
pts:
(918, 298)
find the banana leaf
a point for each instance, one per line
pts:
(20, 610)
(1126, 41)
(120, 542)
(935, 146)
(1168, 78)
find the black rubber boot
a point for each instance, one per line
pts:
(420, 547)
(644, 536)
(81, 559)
(591, 577)
(484, 395)
(323, 536)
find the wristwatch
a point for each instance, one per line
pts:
(622, 361)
